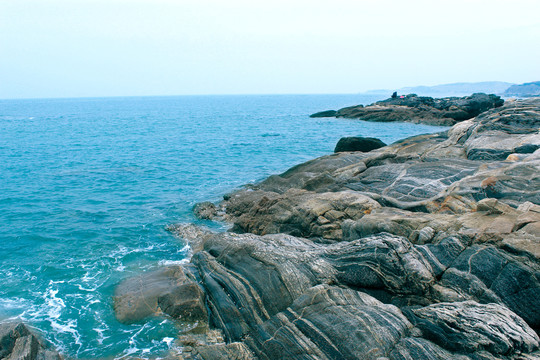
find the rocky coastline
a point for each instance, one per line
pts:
(428, 248)
(419, 109)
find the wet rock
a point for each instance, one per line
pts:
(205, 210)
(137, 298)
(17, 342)
(185, 302)
(358, 143)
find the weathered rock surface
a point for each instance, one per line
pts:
(167, 289)
(358, 143)
(423, 109)
(329, 322)
(428, 174)
(298, 212)
(17, 342)
(470, 327)
(289, 297)
(425, 249)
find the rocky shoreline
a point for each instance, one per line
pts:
(428, 248)
(420, 109)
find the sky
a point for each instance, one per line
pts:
(83, 48)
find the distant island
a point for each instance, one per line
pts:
(505, 89)
(524, 90)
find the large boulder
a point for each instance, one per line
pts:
(358, 143)
(167, 289)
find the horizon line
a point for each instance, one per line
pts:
(178, 95)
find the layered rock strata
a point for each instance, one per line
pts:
(425, 249)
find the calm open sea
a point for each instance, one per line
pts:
(87, 187)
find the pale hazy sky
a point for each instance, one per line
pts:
(72, 48)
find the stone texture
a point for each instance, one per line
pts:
(17, 342)
(137, 298)
(330, 323)
(470, 327)
(422, 109)
(423, 249)
(357, 143)
(185, 302)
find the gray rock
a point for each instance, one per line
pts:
(323, 114)
(470, 327)
(421, 109)
(418, 348)
(185, 302)
(330, 323)
(492, 275)
(17, 342)
(205, 210)
(137, 297)
(358, 143)
(444, 228)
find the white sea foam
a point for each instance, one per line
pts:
(120, 268)
(13, 303)
(168, 341)
(101, 336)
(173, 262)
(54, 304)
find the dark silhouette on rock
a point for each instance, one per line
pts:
(322, 114)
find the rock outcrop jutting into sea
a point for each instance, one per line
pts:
(428, 248)
(420, 109)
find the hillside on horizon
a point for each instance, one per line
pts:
(453, 89)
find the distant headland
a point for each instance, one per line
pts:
(501, 88)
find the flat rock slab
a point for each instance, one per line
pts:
(137, 298)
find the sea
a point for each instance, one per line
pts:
(89, 185)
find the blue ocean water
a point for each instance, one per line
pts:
(87, 187)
